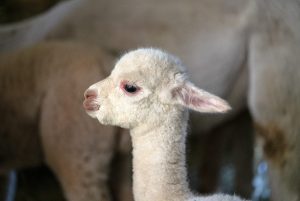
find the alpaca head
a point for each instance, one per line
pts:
(144, 86)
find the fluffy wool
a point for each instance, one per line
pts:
(156, 114)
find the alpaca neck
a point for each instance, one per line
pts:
(159, 171)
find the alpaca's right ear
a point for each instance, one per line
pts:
(197, 99)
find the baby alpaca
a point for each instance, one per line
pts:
(148, 92)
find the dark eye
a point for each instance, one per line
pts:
(130, 88)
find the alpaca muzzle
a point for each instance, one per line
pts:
(90, 102)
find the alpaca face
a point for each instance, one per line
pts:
(144, 86)
(134, 89)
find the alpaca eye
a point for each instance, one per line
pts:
(130, 88)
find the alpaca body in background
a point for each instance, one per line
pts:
(40, 123)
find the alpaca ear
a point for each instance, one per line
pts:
(197, 99)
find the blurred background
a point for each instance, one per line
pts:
(18, 10)
(220, 158)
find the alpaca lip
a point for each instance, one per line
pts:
(90, 105)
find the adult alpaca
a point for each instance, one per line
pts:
(39, 122)
(148, 93)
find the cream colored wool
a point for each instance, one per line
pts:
(156, 114)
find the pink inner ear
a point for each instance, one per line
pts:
(199, 100)
(190, 97)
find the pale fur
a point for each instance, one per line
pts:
(157, 119)
(113, 26)
(217, 39)
(263, 35)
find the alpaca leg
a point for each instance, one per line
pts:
(281, 156)
(83, 168)
(84, 178)
(274, 102)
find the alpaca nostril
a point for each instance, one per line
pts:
(90, 93)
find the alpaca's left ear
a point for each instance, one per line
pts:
(197, 99)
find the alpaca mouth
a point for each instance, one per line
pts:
(90, 105)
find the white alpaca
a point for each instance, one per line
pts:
(148, 93)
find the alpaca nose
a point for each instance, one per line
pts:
(90, 100)
(90, 93)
